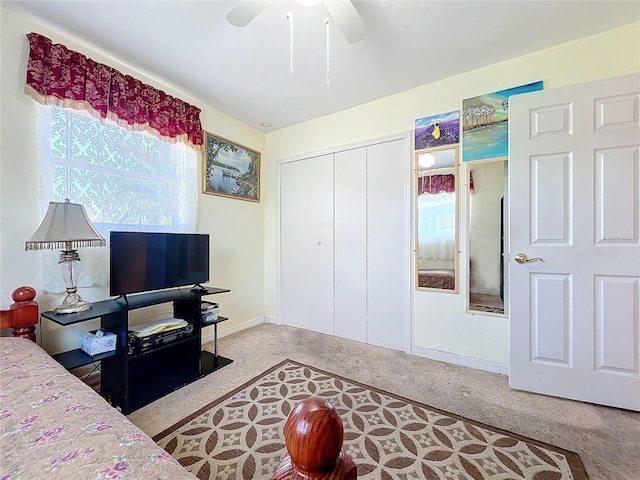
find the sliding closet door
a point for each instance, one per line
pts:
(351, 244)
(344, 243)
(306, 222)
(387, 258)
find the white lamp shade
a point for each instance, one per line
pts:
(65, 226)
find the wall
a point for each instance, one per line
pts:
(440, 326)
(244, 234)
(236, 227)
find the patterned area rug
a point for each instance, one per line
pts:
(240, 436)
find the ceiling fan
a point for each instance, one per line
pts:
(342, 12)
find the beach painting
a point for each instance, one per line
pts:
(437, 130)
(230, 169)
(485, 123)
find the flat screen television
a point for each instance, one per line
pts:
(143, 261)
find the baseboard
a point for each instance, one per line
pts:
(223, 332)
(454, 358)
(268, 319)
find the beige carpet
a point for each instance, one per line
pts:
(240, 436)
(606, 439)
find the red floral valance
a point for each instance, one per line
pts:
(59, 76)
(435, 184)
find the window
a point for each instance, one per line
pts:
(126, 180)
(437, 215)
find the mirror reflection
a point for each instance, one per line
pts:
(486, 230)
(437, 219)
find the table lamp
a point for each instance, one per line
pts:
(66, 226)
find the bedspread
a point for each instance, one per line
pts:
(54, 426)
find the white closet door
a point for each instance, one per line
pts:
(293, 243)
(387, 259)
(351, 244)
(307, 243)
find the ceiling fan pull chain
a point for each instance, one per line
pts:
(290, 17)
(326, 23)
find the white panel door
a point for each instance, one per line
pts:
(350, 185)
(306, 242)
(388, 244)
(574, 181)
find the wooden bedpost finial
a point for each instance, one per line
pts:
(22, 316)
(314, 435)
(23, 294)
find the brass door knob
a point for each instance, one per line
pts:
(522, 258)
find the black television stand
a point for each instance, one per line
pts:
(133, 379)
(214, 361)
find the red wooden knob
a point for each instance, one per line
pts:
(314, 435)
(23, 294)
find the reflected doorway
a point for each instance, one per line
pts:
(487, 242)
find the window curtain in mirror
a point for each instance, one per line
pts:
(436, 225)
(436, 229)
(434, 184)
(63, 77)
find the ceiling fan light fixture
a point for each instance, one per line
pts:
(309, 3)
(342, 12)
(426, 161)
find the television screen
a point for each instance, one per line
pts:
(142, 261)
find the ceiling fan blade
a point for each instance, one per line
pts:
(348, 19)
(242, 14)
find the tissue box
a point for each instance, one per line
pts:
(209, 312)
(93, 344)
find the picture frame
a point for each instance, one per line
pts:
(437, 130)
(485, 123)
(230, 169)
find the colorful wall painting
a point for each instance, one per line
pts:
(437, 130)
(230, 169)
(485, 123)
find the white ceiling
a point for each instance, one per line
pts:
(245, 72)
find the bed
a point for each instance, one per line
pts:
(52, 425)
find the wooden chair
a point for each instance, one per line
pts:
(22, 316)
(313, 435)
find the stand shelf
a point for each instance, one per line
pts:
(212, 362)
(79, 358)
(132, 380)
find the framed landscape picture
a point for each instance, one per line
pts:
(485, 123)
(230, 170)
